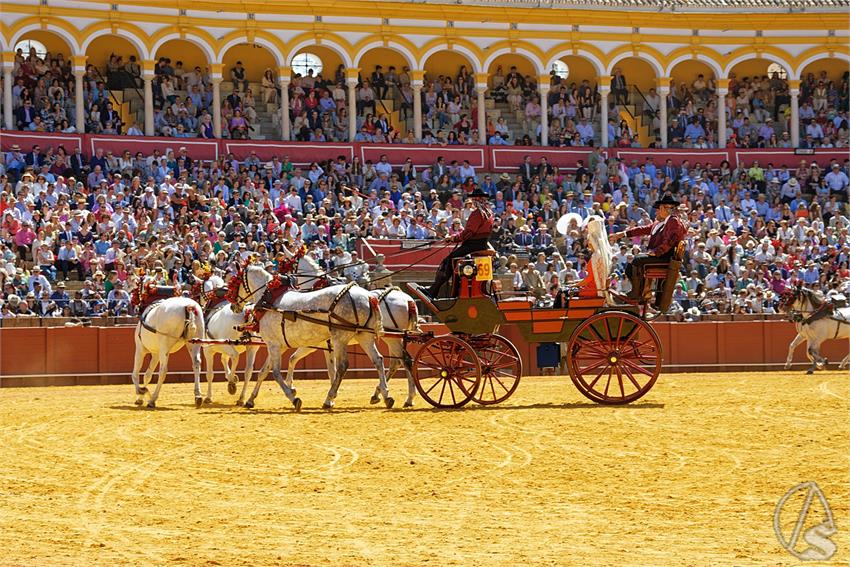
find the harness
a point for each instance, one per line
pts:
(382, 298)
(148, 327)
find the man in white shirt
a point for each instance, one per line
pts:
(383, 166)
(466, 170)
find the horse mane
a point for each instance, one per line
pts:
(816, 297)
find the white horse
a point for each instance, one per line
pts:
(222, 321)
(398, 314)
(164, 328)
(327, 318)
(806, 302)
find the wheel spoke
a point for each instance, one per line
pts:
(631, 377)
(619, 330)
(592, 367)
(629, 335)
(640, 369)
(452, 391)
(442, 391)
(595, 380)
(608, 383)
(434, 385)
(595, 332)
(620, 380)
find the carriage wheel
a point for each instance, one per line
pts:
(501, 368)
(614, 357)
(446, 371)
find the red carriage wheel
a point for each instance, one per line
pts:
(446, 371)
(614, 357)
(501, 368)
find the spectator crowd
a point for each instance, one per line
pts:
(754, 228)
(757, 108)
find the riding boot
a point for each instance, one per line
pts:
(434, 290)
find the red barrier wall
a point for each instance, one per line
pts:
(483, 158)
(424, 258)
(30, 355)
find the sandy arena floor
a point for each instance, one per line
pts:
(690, 475)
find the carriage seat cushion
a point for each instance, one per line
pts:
(483, 253)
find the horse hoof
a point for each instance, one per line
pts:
(327, 406)
(139, 401)
(408, 404)
(810, 371)
(151, 404)
(389, 402)
(296, 403)
(199, 402)
(374, 399)
(249, 404)
(231, 388)
(207, 400)
(240, 403)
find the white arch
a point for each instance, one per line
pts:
(767, 56)
(584, 54)
(333, 46)
(278, 56)
(408, 56)
(714, 65)
(129, 36)
(61, 32)
(643, 56)
(191, 38)
(470, 56)
(535, 62)
(816, 57)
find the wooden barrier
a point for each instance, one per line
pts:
(41, 356)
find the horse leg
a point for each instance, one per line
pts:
(195, 357)
(369, 344)
(791, 348)
(844, 362)
(407, 361)
(294, 359)
(337, 365)
(230, 368)
(250, 356)
(209, 362)
(275, 355)
(137, 367)
(814, 356)
(261, 376)
(163, 370)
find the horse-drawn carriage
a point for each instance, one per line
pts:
(613, 355)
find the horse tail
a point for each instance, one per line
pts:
(377, 324)
(194, 322)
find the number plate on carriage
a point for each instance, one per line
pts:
(484, 269)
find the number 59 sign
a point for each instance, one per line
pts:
(484, 269)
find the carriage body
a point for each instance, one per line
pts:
(612, 354)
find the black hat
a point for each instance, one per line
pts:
(667, 199)
(478, 193)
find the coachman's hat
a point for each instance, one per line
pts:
(477, 193)
(667, 199)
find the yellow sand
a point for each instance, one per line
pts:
(690, 475)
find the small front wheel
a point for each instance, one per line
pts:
(446, 371)
(501, 368)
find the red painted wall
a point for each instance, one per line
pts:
(107, 352)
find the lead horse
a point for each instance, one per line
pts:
(165, 326)
(327, 319)
(816, 321)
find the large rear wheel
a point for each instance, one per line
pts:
(501, 368)
(446, 371)
(614, 357)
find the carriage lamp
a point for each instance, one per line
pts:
(468, 270)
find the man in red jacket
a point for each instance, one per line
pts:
(664, 235)
(475, 236)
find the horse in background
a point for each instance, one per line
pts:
(817, 320)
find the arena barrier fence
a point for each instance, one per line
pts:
(483, 158)
(67, 356)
